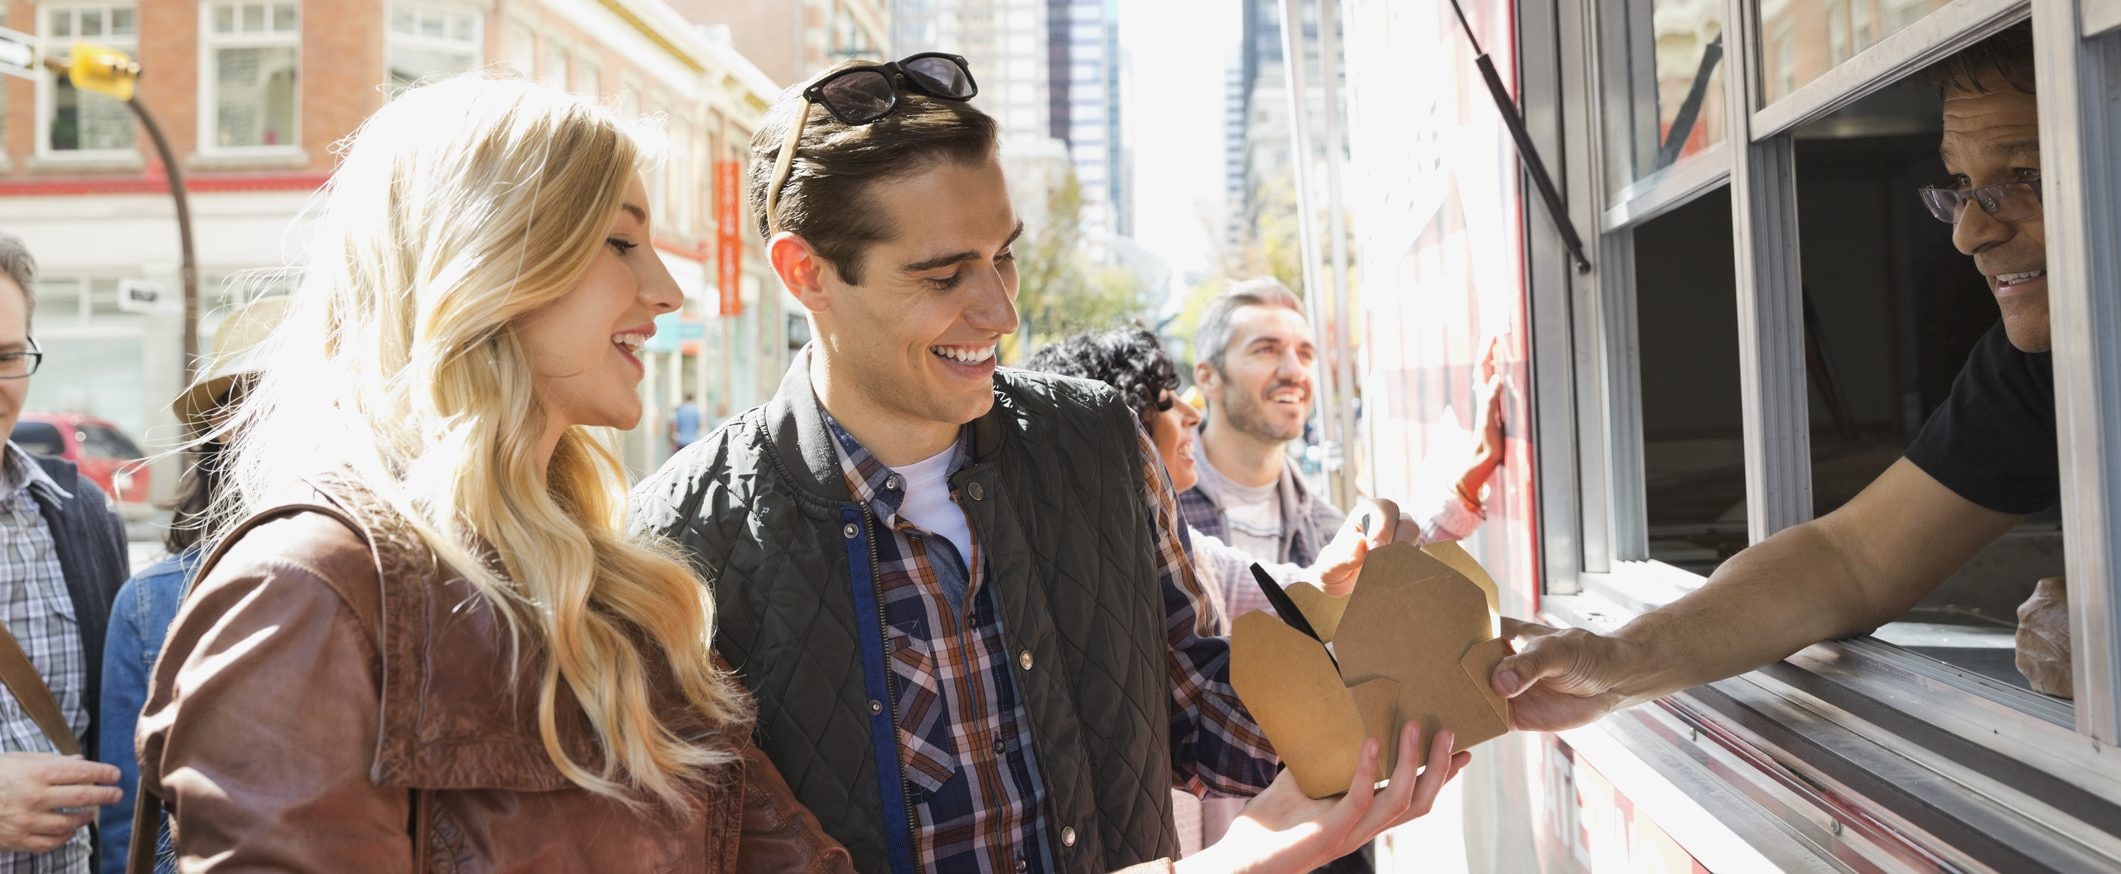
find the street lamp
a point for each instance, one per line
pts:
(113, 73)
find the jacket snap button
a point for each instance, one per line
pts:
(1068, 836)
(976, 491)
(851, 531)
(1024, 659)
(876, 706)
(893, 482)
(1022, 865)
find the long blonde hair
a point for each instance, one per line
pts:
(458, 208)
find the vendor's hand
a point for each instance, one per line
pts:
(1559, 678)
(2043, 638)
(1370, 524)
(34, 787)
(1281, 830)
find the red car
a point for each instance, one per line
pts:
(103, 453)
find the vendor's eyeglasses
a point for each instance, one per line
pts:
(861, 95)
(2006, 201)
(21, 364)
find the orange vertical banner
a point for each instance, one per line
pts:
(729, 250)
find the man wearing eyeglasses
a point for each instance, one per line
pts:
(958, 594)
(1984, 461)
(62, 558)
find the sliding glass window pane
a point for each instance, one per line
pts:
(1801, 39)
(1668, 85)
(1693, 437)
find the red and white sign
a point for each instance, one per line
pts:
(729, 247)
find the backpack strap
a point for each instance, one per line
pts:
(35, 697)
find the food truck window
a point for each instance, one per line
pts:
(1668, 85)
(1800, 39)
(1692, 428)
(1891, 312)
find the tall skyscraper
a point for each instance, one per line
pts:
(1260, 143)
(1047, 70)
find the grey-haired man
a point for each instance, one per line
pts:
(62, 558)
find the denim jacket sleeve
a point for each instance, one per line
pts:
(139, 619)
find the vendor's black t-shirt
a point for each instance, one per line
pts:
(1993, 442)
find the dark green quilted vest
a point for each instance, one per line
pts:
(1054, 496)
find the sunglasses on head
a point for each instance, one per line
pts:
(862, 95)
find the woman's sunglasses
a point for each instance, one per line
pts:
(861, 95)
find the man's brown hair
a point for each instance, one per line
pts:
(826, 198)
(2008, 54)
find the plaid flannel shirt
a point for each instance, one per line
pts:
(971, 775)
(39, 612)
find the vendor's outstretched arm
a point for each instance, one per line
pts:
(1842, 574)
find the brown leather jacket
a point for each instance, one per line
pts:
(319, 706)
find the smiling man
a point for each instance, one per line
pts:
(1984, 461)
(1256, 354)
(957, 593)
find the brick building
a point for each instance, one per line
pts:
(794, 39)
(253, 95)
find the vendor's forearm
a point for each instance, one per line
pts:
(1788, 592)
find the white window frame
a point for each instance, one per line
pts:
(48, 86)
(2076, 63)
(551, 49)
(4, 163)
(526, 63)
(682, 175)
(209, 82)
(659, 177)
(581, 64)
(476, 44)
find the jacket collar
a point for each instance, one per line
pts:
(795, 423)
(21, 470)
(803, 444)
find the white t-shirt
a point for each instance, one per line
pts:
(928, 502)
(1255, 518)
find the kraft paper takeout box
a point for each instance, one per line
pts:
(1417, 640)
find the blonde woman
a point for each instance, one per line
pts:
(425, 642)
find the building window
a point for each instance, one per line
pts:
(683, 196)
(77, 122)
(587, 77)
(659, 183)
(432, 40)
(250, 57)
(3, 99)
(554, 71)
(1837, 32)
(521, 49)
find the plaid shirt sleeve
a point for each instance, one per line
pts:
(1215, 743)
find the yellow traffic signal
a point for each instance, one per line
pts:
(104, 71)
